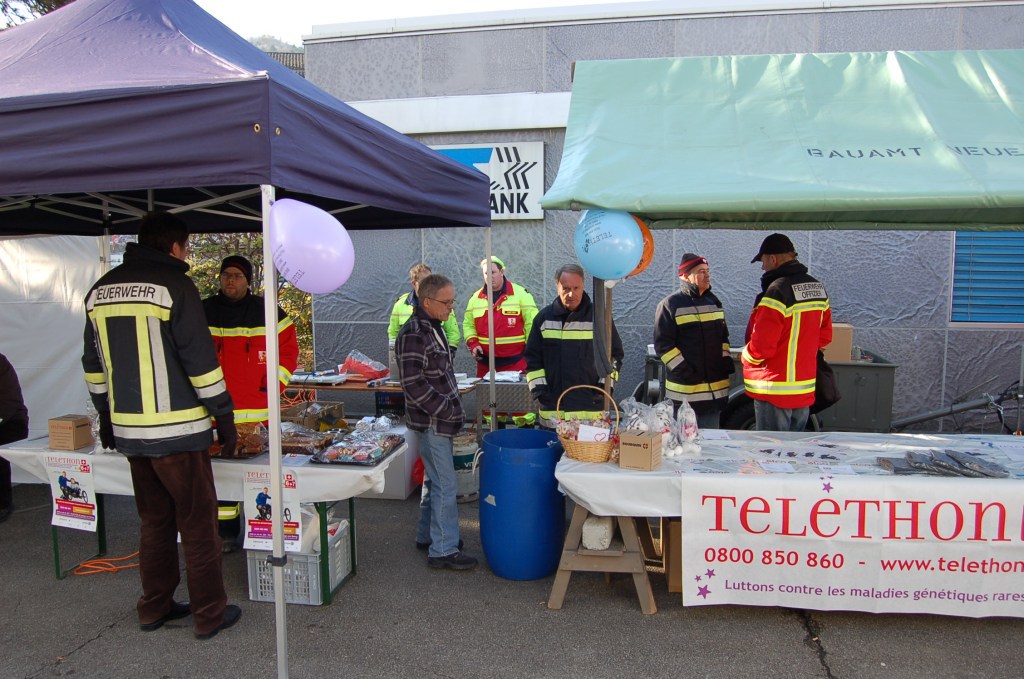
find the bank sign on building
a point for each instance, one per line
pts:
(516, 171)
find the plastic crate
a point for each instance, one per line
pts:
(391, 404)
(302, 572)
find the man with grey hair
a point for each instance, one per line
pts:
(435, 414)
(560, 351)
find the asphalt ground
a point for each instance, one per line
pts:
(399, 618)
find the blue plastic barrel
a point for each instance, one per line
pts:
(522, 514)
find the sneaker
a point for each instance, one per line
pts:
(229, 546)
(179, 609)
(424, 546)
(458, 561)
(231, 615)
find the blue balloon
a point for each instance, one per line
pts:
(608, 243)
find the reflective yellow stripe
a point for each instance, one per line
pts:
(704, 387)
(154, 418)
(228, 513)
(706, 317)
(95, 378)
(535, 374)
(792, 347)
(671, 355)
(238, 332)
(749, 358)
(553, 333)
(284, 324)
(780, 388)
(284, 375)
(572, 414)
(130, 310)
(147, 387)
(212, 377)
(254, 415)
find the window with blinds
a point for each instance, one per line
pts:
(988, 277)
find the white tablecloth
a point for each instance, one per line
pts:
(316, 482)
(607, 490)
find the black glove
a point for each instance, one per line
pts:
(227, 435)
(106, 430)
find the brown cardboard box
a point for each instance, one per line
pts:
(672, 551)
(70, 432)
(315, 415)
(841, 348)
(640, 451)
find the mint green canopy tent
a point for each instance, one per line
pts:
(871, 140)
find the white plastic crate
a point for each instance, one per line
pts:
(302, 572)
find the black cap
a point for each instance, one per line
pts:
(775, 244)
(239, 262)
(690, 261)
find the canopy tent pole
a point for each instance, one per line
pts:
(274, 426)
(492, 399)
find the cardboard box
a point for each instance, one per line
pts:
(315, 415)
(70, 432)
(841, 348)
(672, 551)
(641, 452)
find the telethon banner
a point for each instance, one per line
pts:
(877, 544)
(260, 506)
(73, 491)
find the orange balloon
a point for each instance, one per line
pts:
(648, 255)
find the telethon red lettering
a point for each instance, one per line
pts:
(913, 519)
(718, 509)
(958, 523)
(819, 510)
(761, 508)
(861, 506)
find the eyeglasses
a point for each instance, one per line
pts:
(450, 303)
(226, 276)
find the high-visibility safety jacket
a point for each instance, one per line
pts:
(514, 311)
(240, 335)
(403, 308)
(791, 320)
(692, 340)
(560, 354)
(149, 358)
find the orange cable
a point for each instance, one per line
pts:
(93, 566)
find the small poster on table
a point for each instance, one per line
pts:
(260, 506)
(73, 490)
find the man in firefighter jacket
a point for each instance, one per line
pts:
(152, 373)
(560, 352)
(514, 311)
(790, 322)
(692, 340)
(408, 301)
(236, 320)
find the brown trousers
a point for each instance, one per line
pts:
(173, 494)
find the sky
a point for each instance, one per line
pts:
(253, 18)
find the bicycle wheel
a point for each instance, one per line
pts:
(287, 514)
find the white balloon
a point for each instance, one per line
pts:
(310, 247)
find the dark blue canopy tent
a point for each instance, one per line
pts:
(110, 106)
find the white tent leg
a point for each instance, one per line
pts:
(274, 426)
(492, 399)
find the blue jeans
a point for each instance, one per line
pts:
(439, 513)
(773, 418)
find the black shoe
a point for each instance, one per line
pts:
(459, 561)
(424, 546)
(178, 610)
(5, 514)
(231, 615)
(229, 546)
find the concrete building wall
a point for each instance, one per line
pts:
(893, 287)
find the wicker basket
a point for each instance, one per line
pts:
(588, 451)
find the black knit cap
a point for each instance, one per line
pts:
(689, 261)
(775, 244)
(238, 262)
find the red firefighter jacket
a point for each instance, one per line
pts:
(241, 338)
(791, 320)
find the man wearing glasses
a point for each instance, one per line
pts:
(692, 340)
(435, 415)
(236, 320)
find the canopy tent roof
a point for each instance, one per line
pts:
(909, 140)
(109, 107)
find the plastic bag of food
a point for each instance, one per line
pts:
(360, 364)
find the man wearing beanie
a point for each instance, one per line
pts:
(692, 340)
(236, 320)
(790, 322)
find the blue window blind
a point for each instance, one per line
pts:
(988, 277)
